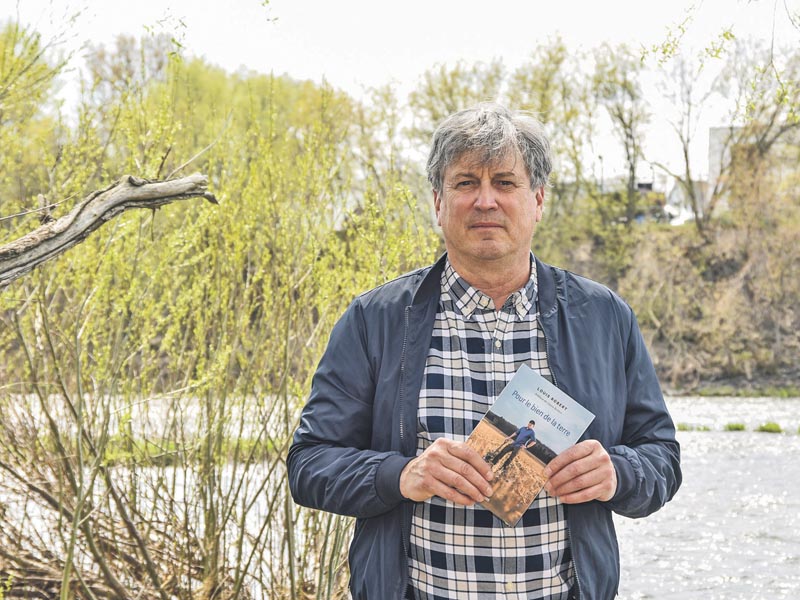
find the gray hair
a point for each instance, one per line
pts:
(490, 132)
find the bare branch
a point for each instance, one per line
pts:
(56, 237)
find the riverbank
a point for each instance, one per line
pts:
(785, 384)
(741, 387)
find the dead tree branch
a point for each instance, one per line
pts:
(56, 237)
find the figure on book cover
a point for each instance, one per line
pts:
(524, 437)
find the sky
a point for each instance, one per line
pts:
(357, 44)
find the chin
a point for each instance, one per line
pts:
(490, 254)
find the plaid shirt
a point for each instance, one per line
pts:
(466, 552)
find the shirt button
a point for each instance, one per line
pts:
(509, 586)
(497, 343)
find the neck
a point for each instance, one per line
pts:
(496, 280)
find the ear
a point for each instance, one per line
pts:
(539, 199)
(437, 206)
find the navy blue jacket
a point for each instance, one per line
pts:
(358, 429)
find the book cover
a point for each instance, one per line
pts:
(530, 423)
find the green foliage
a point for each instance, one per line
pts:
(184, 340)
(552, 85)
(167, 356)
(770, 427)
(5, 586)
(791, 391)
(734, 427)
(27, 124)
(692, 427)
(445, 90)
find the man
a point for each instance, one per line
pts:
(524, 437)
(413, 365)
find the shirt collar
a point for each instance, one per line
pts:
(468, 299)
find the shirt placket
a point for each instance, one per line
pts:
(501, 348)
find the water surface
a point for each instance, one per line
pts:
(733, 530)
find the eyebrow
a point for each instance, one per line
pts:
(464, 174)
(476, 176)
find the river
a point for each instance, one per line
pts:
(731, 533)
(733, 530)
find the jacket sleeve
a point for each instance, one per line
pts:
(648, 459)
(330, 464)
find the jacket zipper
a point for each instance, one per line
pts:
(566, 509)
(404, 514)
(403, 376)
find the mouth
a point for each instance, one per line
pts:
(486, 225)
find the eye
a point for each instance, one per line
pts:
(466, 183)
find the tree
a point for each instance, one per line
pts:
(617, 85)
(551, 85)
(445, 90)
(685, 82)
(26, 75)
(27, 78)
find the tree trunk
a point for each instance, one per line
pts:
(56, 237)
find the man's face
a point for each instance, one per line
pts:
(488, 213)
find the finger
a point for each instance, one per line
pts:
(575, 470)
(435, 480)
(567, 481)
(470, 456)
(568, 456)
(594, 470)
(463, 476)
(594, 492)
(436, 469)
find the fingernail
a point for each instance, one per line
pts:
(547, 472)
(490, 476)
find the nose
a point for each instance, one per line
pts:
(486, 199)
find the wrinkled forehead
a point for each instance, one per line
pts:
(494, 160)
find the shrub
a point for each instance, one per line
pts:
(770, 427)
(734, 427)
(691, 427)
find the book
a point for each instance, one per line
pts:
(529, 408)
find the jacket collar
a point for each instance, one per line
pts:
(430, 285)
(548, 287)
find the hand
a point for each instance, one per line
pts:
(582, 473)
(450, 470)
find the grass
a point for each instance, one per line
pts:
(5, 586)
(692, 427)
(744, 392)
(734, 427)
(770, 427)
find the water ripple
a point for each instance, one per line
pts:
(733, 530)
